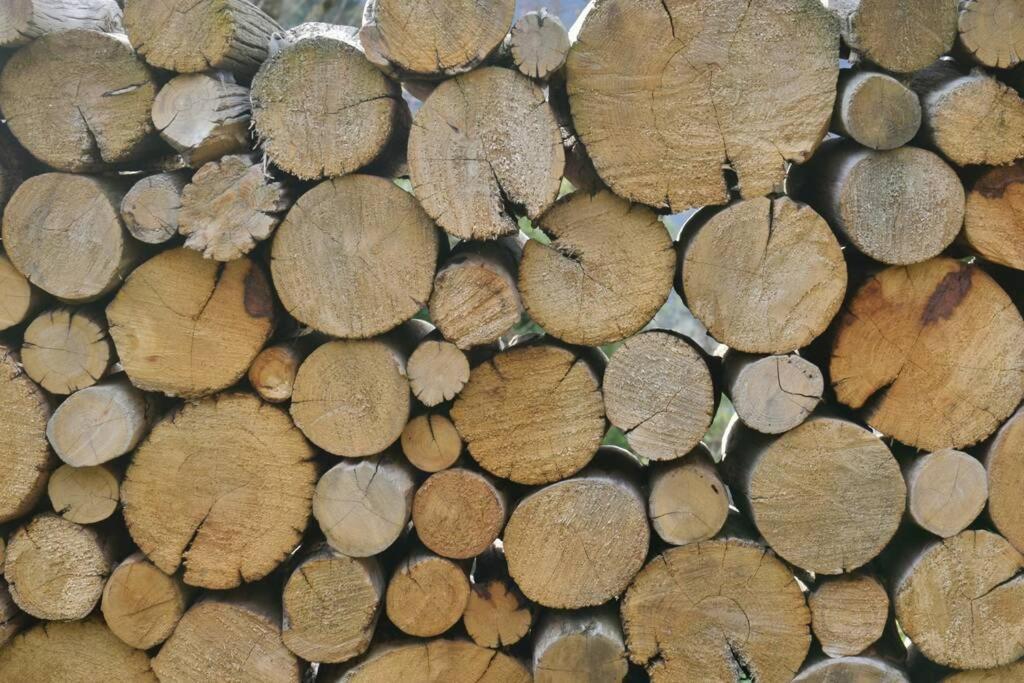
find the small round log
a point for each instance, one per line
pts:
(229, 206)
(1004, 463)
(150, 208)
(483, 143)
(427, 594)
(871, 669)
(949, 367)
(772, 394)
(172, 317)
(538, 44)
(994, 216)
(497, 414)
(55, 569)
(19, 298)
(606, 272)
(272, 373)
(363, 506)
(100, 423)
(79, 100)
(355, 256)
(688, 502)
(141, 604)
(690, 615)
(875, 109)
(66, 234)
(204, 116)
(579, 542)
(65, 350)
(226, 485)
(959, 600)
(946, 491)
(497, 614)
(848, 613)
(901, 36)
(434, 40)
(659, 391)
(435, 661)
(584, 645)
(437, 371)
(431, 442)
(22, 21)
(458, 513)
(84, 495)
(990, 32)
(331, 603)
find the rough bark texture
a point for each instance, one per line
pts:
(848, 613)
(150, 208)
(586, 645)
(660, 125)
(23, 21)
(931, 353)
(946, 491)
(1004, 463)
(203, 116)
(433, 661)
(431, 442)
(224, 488)
(994, 216)
(141, 604)
(427, 594)
(458, 513)
(901, 36)
(875, 109)
(991, 32)
(100, 423)
(66, 349)
(772, 394)
(84, 495)
(437, 371)
(688, 502)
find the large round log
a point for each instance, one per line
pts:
(990, 32)
(458, 513)
(432, 661)
(763, 275)
(66, 350)
(485, 148)
(427, 594)
(947, 368)
(1004, 463)
(23, 21)
(710, 611)
(187, 326)
(849, 489)
(848, 613)
(875, 109)
(961, 601)
(690, 99)
(224, 488)
(65, 233)
(533, 414)
(687, 502)
(994, 216)
(141, 604)
(100, 423)
(355, 256)
(79, 100)
(606, 272)
(946, 491)
(583, 645)
(150, 208)
(772, 394)
(203, 116)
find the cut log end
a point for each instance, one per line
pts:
(141, 604)
(65, 350)
(1004, 463)
(150, 208)
(25, 457)
(946, 491)
(84, 495)
(449, 660)
(539, 44)
(427, 595)
(901, 37)
(431, 442)
(772, 394)
(848, 613)
(458, 513)
(586, 645)
(994, 216)
(688, 501)
(990, 32)
(203, 116)
(21, 21)
(437, 372)
(18, 297)
(100, 423)
(272, 374)
(876, 110)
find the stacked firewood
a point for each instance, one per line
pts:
(327, 353)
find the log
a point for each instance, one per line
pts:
(231, 637)
(434, 40)
(848, 613)
(688, 502)
(661, 126)
(141, 604)
(433, 661)
(586, 645)
(66, 235)
(606, 272)
(272, 373)
(225, 485)
(1004, 464)
(989, 32)
(25, 457)
(485, 148)
(73, 652)
(901, 37)
(852, 669)
(579, 542)
(950, 102)
(899, 207)
(495, 414)
(355, 257)
(427, 594)
(313, 129)
(331, 603)
(229, 207)
(947, 371)
(55, 569)
(476, 296)
(538, 44)
(714, 610)
(1000, 674)
(79, 100)
(786, 270)
(437, 371)
(772, 394)
(660, 392)
(946, 491)
(25, 20)
(186, 326)
(363, 506)
(19, 298)
(458, 513)
(204, 116)
(150, 208)
(431, 443)
(100, 423)
(497, 614)
(851, 492)
(960, 599)
(67, 349)
(993, 223)
(12, 619)
(875, 109)
(188, 36)
(84, 495)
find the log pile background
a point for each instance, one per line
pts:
(403, 350)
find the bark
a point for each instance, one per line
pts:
(25, 20)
